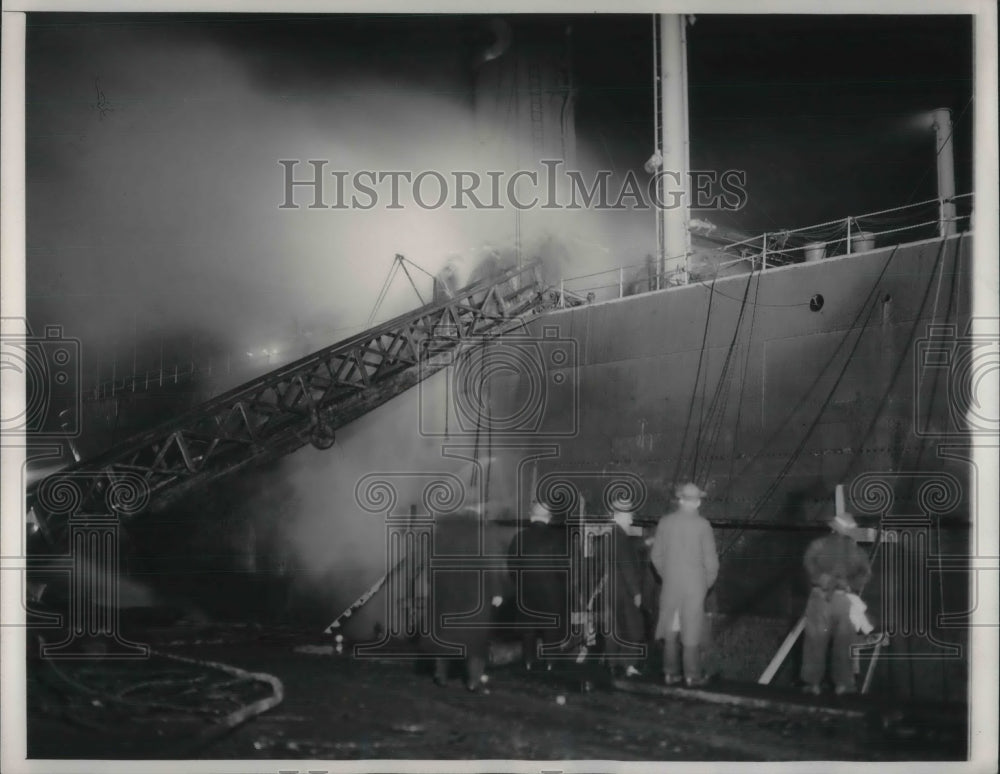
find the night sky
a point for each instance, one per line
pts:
(816, 109)
(153, 140)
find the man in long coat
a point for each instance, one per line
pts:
(463, 600)
(685, 556)
(541, 592)
(623, 635)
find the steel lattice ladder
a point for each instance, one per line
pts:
(275, 414)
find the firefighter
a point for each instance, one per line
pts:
(838, 570)
(460, 618)
(686, 559)
(622, 642)
(541, 591)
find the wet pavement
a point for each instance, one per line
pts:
(337, 707)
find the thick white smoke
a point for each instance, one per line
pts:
(154, 196)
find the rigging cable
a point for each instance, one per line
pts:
(739, 404)
(402, 262)
(382, 292)
(773, 486)
(797, 452)
(722, 399)
(937, 379)
(694, 389)
(716, 412)
(939, 271)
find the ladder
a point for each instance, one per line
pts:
(275, 414)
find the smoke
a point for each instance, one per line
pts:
(155, 189)
(153, 205)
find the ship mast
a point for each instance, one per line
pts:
(674, 144)
(945, 170)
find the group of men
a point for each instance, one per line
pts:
(605, 599)
(683, 555)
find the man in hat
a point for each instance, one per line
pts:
(624, 628)
(685, 556)
(541, 592)
(463, 601)
(838, 570)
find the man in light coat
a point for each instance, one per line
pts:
(686, 559)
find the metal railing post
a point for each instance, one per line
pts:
(763, 254)
(621, 282)
(848, 236)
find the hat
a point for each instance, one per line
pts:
(689, 491)
(843, 523)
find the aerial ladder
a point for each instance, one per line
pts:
(303, 402)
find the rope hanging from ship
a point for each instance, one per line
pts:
(720, 399)
(716, 411)
(910, 339)
(926, 422)
(694, 389)
(762, 500)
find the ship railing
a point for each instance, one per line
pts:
(621, 281)
(843, 236)
(854, 233)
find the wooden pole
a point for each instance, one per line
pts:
(871, 668)
(783, 651)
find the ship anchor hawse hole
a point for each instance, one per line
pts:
(816, 302)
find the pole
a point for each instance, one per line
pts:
(363, 599)
(673, 106)
(945, 169)
(779, 657)
(870, 673)
(657, 211)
